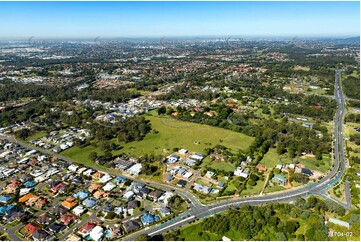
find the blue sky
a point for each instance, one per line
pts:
(154, 19)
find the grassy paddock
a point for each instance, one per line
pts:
(169, 137)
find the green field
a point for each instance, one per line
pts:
(301, 68)
(193, 233)
(37, 135)
(172, 134)
(222, 165)
(254, 190)
(270, 159)
(313, 164)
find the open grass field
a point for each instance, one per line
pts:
(193, 233)
(231, 187)
(350, 131)
(254, 190)
(222, 165)
(270, 159)
(37, 135)
(313, 164)
(172, 134)
(179, 134)
(301, 68)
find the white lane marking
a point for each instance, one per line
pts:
(181, 221)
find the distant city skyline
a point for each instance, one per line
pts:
(179, 19)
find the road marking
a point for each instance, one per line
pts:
(184, 220)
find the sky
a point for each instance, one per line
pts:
(154, 19)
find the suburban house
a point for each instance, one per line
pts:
(131, 225)
(78, 210)
(90, 202)
(86, 228)
(40, 235)
(69, 203)
(67, 219)
(181, 183)
(200, 188)
(43, 218)
(279, 179)
(149, 218)
(96, 233)
(31, 228)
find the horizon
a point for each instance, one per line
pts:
(111, 20)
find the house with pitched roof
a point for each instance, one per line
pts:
(67, 219)
(26, 197)
(40, 235)
(31, 228)
(131, 225)
(43, 218)
(69, 203)
(86, 228)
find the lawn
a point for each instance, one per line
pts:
(222, 165)
(194, 233)
(37, 135)
(313, 164)
(254, 190)
(231, 187)
(301, 68)
(270, 159)
(169, 137)
(274, 188)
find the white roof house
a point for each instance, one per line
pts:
(109, 186)
(188, 174)
(24, 191)
(88, 172)
(209, 174)
(128, 195)
(41, 178)
(238, 171)
(135, 169)
(23, 161)
(81, 170)
(31, 152)
(73, 168)
(105, 178)
(36, 173)
(197, 156)
(183, 151)
(165, 196)
(79, 210)
(97, 233)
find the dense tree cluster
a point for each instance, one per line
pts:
(351, 87)
(289, 137)
(276, 221)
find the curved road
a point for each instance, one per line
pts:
(326, 182)
(198, 210)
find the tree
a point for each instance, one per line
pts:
(108, 155)
(93, 156)
(22, 134)
(251, 182)
(142, 237)
(162, 110)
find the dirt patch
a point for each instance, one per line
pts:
(316, 175)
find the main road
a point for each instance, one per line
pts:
(198, 210)
(333, 177)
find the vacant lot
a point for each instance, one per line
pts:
(271, 159)
(172, 134)
(301, 68)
